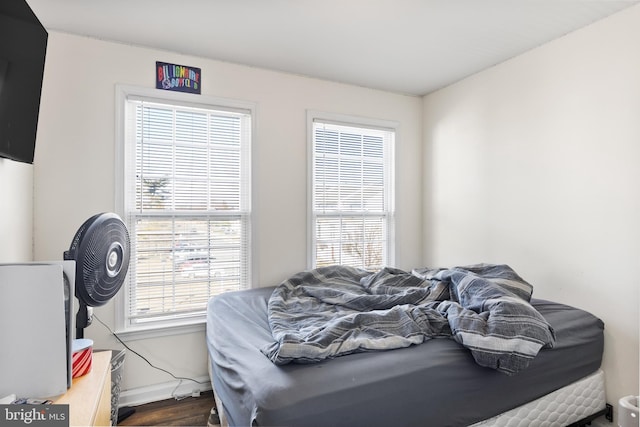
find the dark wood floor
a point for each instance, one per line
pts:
(192, 411)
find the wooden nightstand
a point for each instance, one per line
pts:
(89, 397)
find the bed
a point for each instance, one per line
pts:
(437, 383)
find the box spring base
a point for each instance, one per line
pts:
(573, 405)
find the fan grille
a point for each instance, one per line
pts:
(101, 251)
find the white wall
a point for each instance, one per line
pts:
(534, 163)
(74, 170)
(16, 211)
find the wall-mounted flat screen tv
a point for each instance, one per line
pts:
(23, 46)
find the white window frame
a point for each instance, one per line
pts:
(358, 122)
(123, 326)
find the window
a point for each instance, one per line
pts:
(352, 206)
(186, 202)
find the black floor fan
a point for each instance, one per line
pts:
(101, 250)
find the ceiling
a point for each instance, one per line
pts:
(405, 46)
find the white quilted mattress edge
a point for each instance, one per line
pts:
(559, 408)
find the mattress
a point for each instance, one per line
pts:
(436, 383)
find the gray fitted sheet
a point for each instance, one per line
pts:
(433, 384)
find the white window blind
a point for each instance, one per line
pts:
(187, 206)
(352, 195)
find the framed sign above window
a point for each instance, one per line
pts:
(178, 78)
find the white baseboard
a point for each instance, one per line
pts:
(172, 389)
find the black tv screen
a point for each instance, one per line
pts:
(23, 46)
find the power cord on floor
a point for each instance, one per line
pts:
(180, 379)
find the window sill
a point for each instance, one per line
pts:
(157, 331)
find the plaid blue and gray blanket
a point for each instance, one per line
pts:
(333, 311)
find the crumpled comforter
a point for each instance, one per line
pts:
(333, 311)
